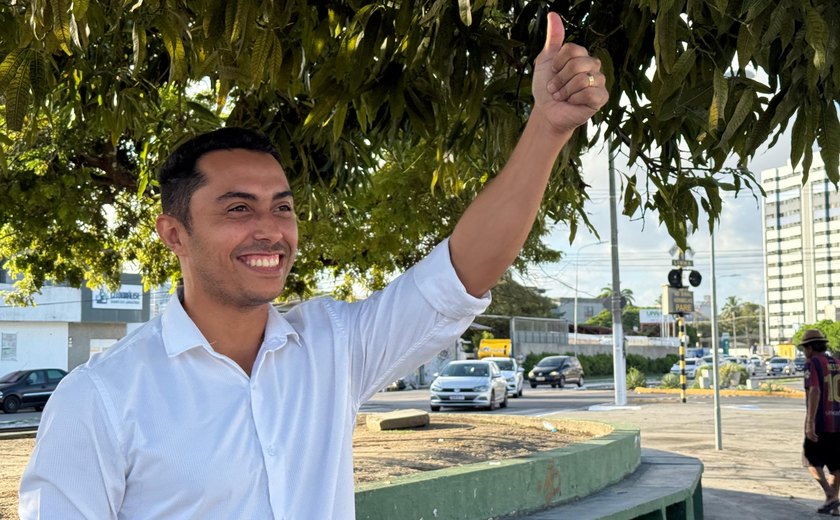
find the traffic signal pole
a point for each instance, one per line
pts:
(682, 336)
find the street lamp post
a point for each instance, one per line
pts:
(577, 266)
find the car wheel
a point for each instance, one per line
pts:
(504, 402)
(580, 382)
(553, 385)
(562, 382)
(520, 390)
(492, 404)
(435, 408)
(11, 404)
(39, 408)
(533, 385)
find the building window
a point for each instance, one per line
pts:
(8, 347)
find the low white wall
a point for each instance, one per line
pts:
(39, 345)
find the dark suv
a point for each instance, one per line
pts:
(556, 371)
(26, 388)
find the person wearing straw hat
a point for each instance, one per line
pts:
(822, 421)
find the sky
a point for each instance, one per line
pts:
(644, 246)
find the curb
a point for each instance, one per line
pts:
(502, 487)
(795, 394)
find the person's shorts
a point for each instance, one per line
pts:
(824, 452)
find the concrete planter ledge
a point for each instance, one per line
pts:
(506, 487)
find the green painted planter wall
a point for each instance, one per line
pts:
(480, 491)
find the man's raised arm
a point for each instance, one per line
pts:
(568, 89)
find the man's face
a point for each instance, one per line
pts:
(244, 233)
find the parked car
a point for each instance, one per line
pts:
(722, 359)
(691, 366)
(748, 365)
(28, 388)
(799, 363)
(512, 373)
(758, 363)
(779, 365)
(556, 371)
(473, 384)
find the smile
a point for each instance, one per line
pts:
(264, 261)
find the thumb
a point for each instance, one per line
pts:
(554, 34)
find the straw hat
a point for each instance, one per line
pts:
(812, 336)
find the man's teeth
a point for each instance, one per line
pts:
(271, 261)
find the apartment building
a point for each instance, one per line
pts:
(801, 249)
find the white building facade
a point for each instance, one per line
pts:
(67, 325)
(801, 249)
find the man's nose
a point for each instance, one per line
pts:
(269, 227)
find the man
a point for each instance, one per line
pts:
(224, 409)
(822, 419)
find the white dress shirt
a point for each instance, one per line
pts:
(160, 426)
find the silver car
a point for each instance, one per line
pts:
(512, 372)
(470, 384)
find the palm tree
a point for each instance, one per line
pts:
(731, 309)
(627, 294)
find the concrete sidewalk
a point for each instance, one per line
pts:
(757, 475)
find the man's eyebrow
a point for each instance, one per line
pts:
(250, 196)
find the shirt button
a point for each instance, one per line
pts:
(271, 451)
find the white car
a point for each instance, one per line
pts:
(691, 366)
(512, 372)
(471, 384)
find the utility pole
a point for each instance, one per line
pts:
(619, 370)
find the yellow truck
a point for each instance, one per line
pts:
(494, 348)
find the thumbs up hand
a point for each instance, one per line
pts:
(568, 85)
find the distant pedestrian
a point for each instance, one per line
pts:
(822, 420)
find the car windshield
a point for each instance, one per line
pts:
(466, 370)
(551, 362)
(778, 360)
(689, 362)
(12, 377)
(504, 364)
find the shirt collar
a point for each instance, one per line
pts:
(180, 333)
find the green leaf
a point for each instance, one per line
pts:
(465, 11)
(38, 77)
(260, 55)
(138, 40)
(338, 121)
(830, 142)
(665, 39)
(742, 110)
(816, 35)
(13, 61)
(61, 25)
(18, 99)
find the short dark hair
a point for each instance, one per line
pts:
(819, 346)
(179, 176)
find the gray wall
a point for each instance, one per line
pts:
(81, 333)
(651, 352)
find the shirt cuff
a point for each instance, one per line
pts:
(440, 286)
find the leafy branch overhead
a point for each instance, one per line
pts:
(371, 104)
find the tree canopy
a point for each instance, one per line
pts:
(389, 116)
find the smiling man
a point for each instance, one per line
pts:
(222, 408)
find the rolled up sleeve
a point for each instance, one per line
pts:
(77, 470)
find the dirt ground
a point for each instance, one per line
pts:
(450, 440)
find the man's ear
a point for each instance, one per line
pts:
(171, 232)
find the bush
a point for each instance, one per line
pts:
(635, 379)
(652, 366)
(670, 381)
(728, 369)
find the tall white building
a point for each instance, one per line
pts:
(801, 249)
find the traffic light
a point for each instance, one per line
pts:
(675, 278)
(694, 278)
